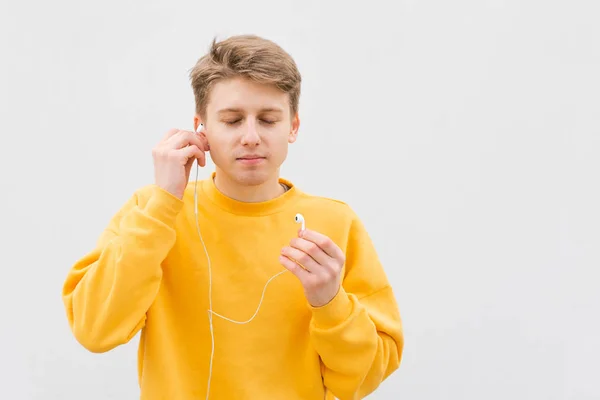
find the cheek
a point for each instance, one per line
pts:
(217, 148)
(280, 148)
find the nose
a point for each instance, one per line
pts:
(250, 136)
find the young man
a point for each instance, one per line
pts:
(188, 263)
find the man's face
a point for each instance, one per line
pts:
(248, 126)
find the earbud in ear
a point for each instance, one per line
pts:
(299, 218)
(200, 130)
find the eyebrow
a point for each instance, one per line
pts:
(233, 109)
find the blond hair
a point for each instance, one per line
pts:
(249, 56)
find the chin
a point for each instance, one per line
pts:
(251, 178)
(247, 176)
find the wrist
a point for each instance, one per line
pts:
(333, 312)
(177, 193)
(321, 299)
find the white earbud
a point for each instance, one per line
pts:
(300, 219)
(200, 128)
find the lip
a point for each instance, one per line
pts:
(250, 159)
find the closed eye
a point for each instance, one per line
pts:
(268, 122)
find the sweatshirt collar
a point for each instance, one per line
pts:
(228, 204)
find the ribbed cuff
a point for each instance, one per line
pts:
(333, 313)
(163, 205)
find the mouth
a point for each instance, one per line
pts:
(250, 159)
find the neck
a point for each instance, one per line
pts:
(265, 191)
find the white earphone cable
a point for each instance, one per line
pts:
(210, 308)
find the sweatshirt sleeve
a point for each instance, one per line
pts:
(358, 334)
(109, 290)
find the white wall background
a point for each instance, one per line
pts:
(465, 133)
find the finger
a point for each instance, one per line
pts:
(191, 152)
(178, 140)
(204, 139)
(200, 141)
(300, 273)
(186, 138)
(311, 249)
(325, 243)
(170, 133)
(305, 260)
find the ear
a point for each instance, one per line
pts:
(294, 131)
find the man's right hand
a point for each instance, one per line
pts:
(173, 159)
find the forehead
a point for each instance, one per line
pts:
(245, 95)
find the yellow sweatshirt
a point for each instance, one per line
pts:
(149, 272)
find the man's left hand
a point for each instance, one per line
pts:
(320, 269)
